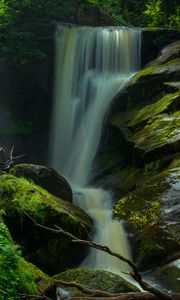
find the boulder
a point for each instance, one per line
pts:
(52, 252)
(95, 280)
(46, 177)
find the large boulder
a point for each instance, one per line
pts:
(95, 280)
(46, 177)
(52, 252)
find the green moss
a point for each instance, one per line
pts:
(158, 69)
(96, 280)
(21, 195)
(141, 215)
(154, 109)
(161, 130)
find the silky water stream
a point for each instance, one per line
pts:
(91, 66)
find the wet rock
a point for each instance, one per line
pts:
(50, 251)
(46, 177)
(147, 114)
(167, 277)
(154, 40)
(96, 280)
(151, 211)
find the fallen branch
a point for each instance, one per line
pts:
(135, 274)
(105, 295)
(127, 296)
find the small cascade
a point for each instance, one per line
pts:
(92, 66)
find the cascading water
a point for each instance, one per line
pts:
(92, 65)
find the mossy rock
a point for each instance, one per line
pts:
(16, 274)
(49, 251)
(46, 177)
(95, 280)
(167, 276)
(149, 210)
(159, 137)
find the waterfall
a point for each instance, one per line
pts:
(91, 66)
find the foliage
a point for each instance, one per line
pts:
(155, 13)
(142, 217)
(26, 31)
(163, 13)
(15, 276)
(147, 218)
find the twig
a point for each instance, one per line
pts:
(135, 274)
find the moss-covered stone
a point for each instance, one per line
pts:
(146, 210)
(46, 177)
(166, 104)
(50, 251)
(95, 280)
(16, 274)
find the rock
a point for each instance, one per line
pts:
(16, 274)
(46, 177)
(47, 250)
(154, 40)
(151, 211)
(168, 53)
(167, 276)
(148, 114)
(147, 187)
(95, 280)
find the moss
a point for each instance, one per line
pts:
(49, 251)
(161, 130)
(22, 195)
(158, 69)
(154, 109)
(96, 280)
(144, 207)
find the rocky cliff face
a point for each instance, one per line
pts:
(141, 162)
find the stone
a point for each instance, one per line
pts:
(95, 280)
(167, 276)
(46, 177)
(51, 252)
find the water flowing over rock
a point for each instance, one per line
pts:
(92, 65)
(145, 175)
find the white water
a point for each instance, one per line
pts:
(92, 65)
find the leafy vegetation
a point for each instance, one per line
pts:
(143, 217)
(15, 275)
(25, 29)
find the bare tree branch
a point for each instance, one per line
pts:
(135, 274)
(126, 296)
(7, 159)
